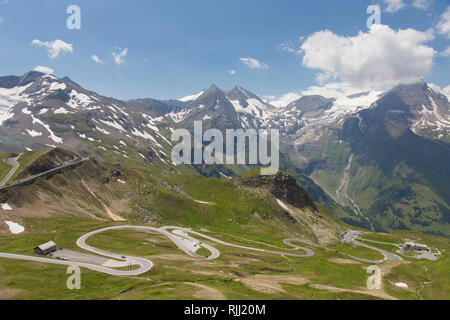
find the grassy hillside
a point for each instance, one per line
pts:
(89, 190)
(4, 167)
(26, 159)
(237, 274)
(74, 202)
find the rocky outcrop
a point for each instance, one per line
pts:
(283, 187)
(48, 161)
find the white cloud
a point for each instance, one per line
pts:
(324, 77)
(394, 5)
(443, 26)
(253, 63)
(118, 57)
(284, 100)
(97, 59)
(286, 46)
(381, 57)
(446, 52)
(232, 72)
(422, 4)
(44, 69)
(1, 19)
(146, 60)
(333, 90)
(290, 47)
(55, 47)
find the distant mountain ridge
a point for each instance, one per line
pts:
(346, 144)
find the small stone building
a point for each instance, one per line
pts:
(416, 246)
(45, 248)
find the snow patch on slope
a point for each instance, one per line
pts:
(47, 127)
(282, 205)
(191, 98)
(15, 228)
(429, 118)
(78, 100)
(145, 135)
(9, 98)
(179, 116)
(6, 207)
(57, 86)
(61, 110)
(34, 133)
(113, 124)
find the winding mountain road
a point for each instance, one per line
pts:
(34, 177)
(15, 165)
(188, 244)
(352, 236)
(309, 252)
(145, 265)
(179, 236)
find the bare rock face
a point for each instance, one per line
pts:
(283, 187)
(52, 159)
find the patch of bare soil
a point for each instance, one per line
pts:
(343, 261)
(202, 272)
(172, 257)
(325, 231)
(206, 293)
(6, 294)
(271, 284)
(111, 214)
(375, 293)
(387, 266)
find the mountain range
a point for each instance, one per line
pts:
(375, 159)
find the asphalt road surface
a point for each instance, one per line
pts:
(179, 236)
(15, 165)
(34, 177)
(144, 264)
(184, 241)
(309, 252)
(351, 236)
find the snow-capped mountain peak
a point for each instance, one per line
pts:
(251, 109)
(38, 110)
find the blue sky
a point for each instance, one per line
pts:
(176, 48)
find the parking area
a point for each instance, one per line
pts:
(70, 255)
(350, 235)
